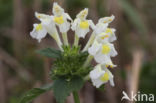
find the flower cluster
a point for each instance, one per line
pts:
(99, 45)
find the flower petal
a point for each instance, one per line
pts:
(96, 72)
(38, 34)
(83, 14)
(113, 52)
(57, 10)
(94, 48)
(102, 58)
(107, 19)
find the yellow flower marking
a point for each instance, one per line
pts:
(105, 21)
(39, 27)
(84, 13)
(39, 16)
(108, 30)
(111, 66)
(57, 9)
(109, 19)
(105, 36)
(84, 24)
(105, 49)
(59, 20)
(105, 77)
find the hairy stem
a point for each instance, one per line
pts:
(57, 39)
(76, 97)
(76, 41)
(89, 58)
(90, 41)
(65, 38)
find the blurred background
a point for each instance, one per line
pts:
(21, 68)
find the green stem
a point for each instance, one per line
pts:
(76, 97)
(57, 39)
(65, 38)
(76, 41)
(89, 59)
(90, 41)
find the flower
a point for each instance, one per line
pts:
(107, 36)
(103, 37)
(38, 32)
(107, 20)
(81, 24)
(102, 52)
(48, 26)
(102, 24)
(111, 33)
(101, 75)
(47, 22)
(100, 27)
(60, 18)
(94, 48)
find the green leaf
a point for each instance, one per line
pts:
(30, 95)
(62, 88)
(50, 52)
(35, 92)
(76, 83)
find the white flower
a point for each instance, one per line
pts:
(100, 27)
(101, 75)
(102, 24)
(106, 20)
(102, 37)
(102, 52)
(94, 48)
(47, 22)
(107, 36)
(60, 18)
(111, 33)
(38, 32)
(81, 24)
(102, 32)
(49, 26)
